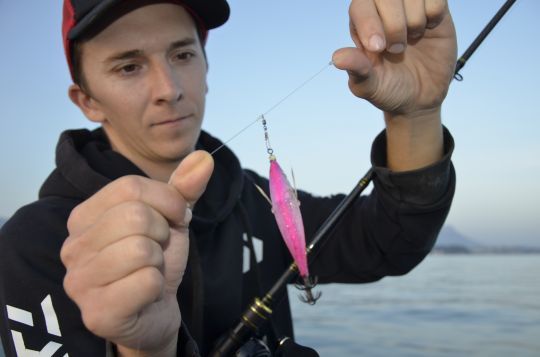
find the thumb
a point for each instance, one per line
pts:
(192, 175)
(362, 77)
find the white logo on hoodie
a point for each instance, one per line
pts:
(25, 317)
(258, 245)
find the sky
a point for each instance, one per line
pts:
(267, 49)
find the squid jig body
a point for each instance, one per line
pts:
(286, 210)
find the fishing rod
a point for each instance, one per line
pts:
(481, 37)
(260, 311)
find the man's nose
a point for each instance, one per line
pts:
(167, 86)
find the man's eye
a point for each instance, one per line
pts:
(129, 68)
(183, 56)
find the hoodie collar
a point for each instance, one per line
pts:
(85, 163)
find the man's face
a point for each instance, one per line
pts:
(146, 83)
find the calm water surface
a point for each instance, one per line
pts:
(450, 305)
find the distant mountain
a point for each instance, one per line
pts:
(450, 237)
(451, 241)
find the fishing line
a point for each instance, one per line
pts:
(261, 117)
(260, 311)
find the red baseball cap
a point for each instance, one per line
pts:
(85, 18)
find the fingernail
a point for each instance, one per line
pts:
(396, 48)
(336, 57)
(376, 43)
(194, 159)
(187, 217)
(189, 164)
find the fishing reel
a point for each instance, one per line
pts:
(245, 339)
(256, 347)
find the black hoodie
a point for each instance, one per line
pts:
(386, 233)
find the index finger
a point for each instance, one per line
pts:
(367, 25)
(160, 196)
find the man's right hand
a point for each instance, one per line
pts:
(126, 254)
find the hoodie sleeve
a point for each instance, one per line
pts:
(389, 231)
(36, 316)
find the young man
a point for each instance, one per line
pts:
(136, 242)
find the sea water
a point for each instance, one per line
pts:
(450, 305)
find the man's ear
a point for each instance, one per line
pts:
(88, 105)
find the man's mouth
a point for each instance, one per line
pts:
(172, 121)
